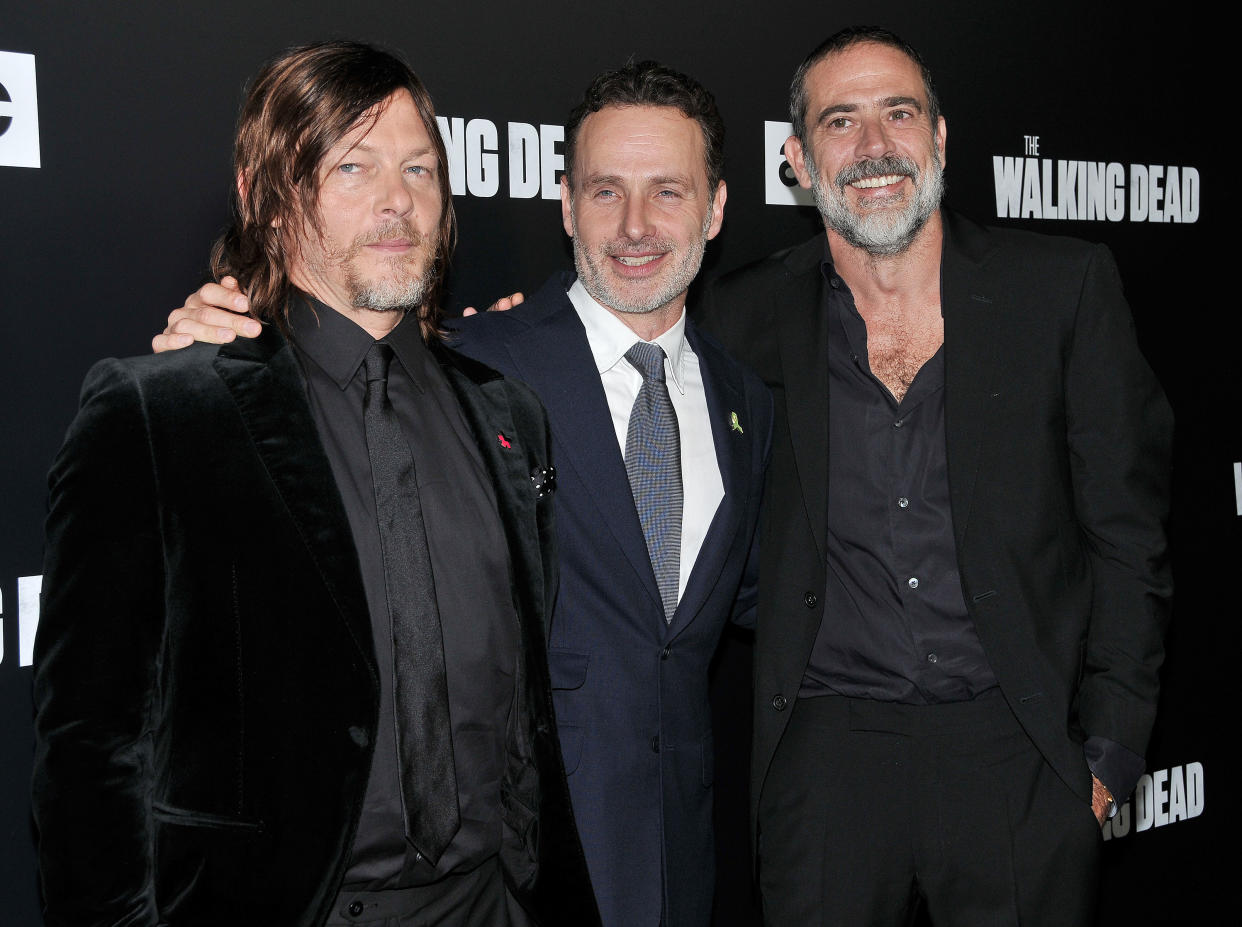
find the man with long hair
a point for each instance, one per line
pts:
(355, 726)
(661, 468)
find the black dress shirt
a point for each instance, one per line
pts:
(895, 624)
(471, 568)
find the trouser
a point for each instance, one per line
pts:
(478, 898)
(871, 809)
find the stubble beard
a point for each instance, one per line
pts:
(594, 277)
(403, 282)
(881, 230)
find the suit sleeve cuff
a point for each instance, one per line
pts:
(1118, 767)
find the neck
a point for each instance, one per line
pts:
(651, 325)
(374, 323)
(884, 276)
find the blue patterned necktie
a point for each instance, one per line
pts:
(653, 463)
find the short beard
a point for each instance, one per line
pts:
(413, 275)
(878, 231)
(597, 284)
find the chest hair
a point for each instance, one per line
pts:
(900, 342)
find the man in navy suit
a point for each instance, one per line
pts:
(629, 655)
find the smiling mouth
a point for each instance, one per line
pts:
(637, 261)
(884, 180)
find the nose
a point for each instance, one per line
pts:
(873, 140)
(393, 196)
(636, 219)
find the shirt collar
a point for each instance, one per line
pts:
(829, 270)
(338, 345)
(610, 338)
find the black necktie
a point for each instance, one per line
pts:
(420, 685)
(653, 463)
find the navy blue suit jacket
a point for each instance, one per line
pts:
(629, 689)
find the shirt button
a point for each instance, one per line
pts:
(779, 702)
(913, 582)
(810, 599)
(903, 502)
(932, 658)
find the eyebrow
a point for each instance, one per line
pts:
(886, 103)
(368, 149)
(659, 179)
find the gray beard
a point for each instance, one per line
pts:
(598, 286)
(390, 295)
(881, 231)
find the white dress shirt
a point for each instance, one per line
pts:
(702, 488)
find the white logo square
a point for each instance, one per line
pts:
(19, 111)
(779, 184)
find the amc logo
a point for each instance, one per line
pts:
(19, 111)
(780, 186)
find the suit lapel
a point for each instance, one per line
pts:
(722, 384)
(484, 402)
(973, 309)
(582, 431)
(803, 340)
(264, 379)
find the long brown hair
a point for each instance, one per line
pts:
(300, 105)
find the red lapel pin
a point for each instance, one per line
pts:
(504, 441)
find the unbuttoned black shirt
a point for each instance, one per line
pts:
(895, 625)
(470, 563)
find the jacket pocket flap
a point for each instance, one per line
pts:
(567, 668)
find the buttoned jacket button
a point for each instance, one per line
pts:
(779, 702)
(810, 599)
(355, 908)
(665, 653)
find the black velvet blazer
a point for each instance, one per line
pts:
(205, 682)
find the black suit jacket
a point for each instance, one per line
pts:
(1058, 440)
(205, 681)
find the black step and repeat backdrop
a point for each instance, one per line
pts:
(115, 122)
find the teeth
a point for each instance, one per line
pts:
(868, 183)
(636, 261)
